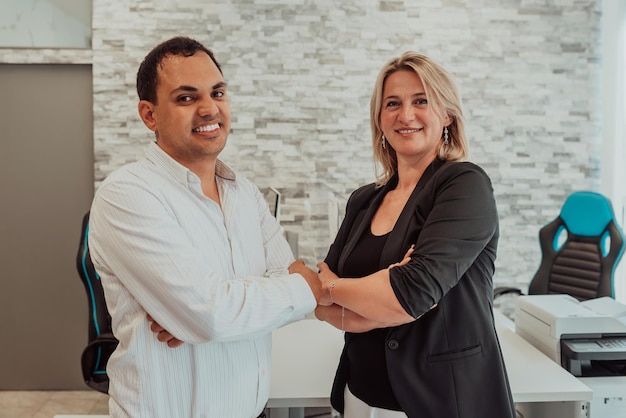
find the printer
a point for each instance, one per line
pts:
(586, 338)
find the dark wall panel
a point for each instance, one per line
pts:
(46, 185)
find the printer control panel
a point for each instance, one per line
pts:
(594, 356)
(618, 344)
(607, 345)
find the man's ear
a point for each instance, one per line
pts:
(146, 113)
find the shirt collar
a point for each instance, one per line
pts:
(181, 173)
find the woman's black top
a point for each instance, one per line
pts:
(368, 378)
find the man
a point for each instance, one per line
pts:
(180, 238)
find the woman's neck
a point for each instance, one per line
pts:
(410, 173)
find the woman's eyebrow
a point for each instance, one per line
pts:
(393, 96)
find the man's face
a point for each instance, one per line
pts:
(192, 116)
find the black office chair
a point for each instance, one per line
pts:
(102, 342)
(580, 250)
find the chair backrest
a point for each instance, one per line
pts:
(580, 249)
(101, 342)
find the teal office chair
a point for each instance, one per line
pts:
(580, 250)
(101, 343)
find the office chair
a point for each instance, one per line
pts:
(580, 250)
(101, 343)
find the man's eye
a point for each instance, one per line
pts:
(219, 93)
(184, 99)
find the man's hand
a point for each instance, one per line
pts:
(163, 335)
(309, 275)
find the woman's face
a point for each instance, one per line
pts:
(407, 120)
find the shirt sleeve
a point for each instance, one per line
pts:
(138, 245)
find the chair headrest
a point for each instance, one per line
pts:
(587, 213)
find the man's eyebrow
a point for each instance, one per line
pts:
(184, 88)
(220, 85)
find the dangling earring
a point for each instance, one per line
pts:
(445, 136)
(382, 141)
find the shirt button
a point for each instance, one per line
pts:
(393, 344)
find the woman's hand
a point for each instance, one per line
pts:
(163, 335)
(328, 280)
(406, 259)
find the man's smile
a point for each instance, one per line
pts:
(207, 128)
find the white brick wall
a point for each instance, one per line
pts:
(300, 75)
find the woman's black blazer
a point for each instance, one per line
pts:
(448, 362)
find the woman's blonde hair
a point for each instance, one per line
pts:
(441, 93)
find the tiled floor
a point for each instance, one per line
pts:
(44, 404)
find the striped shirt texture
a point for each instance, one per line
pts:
(216, 278)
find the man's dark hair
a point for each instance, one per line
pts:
(147, 78)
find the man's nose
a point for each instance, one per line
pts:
(208, 107)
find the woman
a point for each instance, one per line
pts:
(420, 336)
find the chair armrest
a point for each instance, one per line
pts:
(502, 290)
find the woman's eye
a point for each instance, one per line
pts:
(391, 104)
(421, 102)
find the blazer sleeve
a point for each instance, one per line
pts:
(459, 228)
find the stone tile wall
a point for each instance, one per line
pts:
(300, 75)
(301, 72)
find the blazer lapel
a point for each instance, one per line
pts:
(397, 243)
(363, 220)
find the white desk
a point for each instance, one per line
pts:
(306, 353)
(533, 376)
(540, 387)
